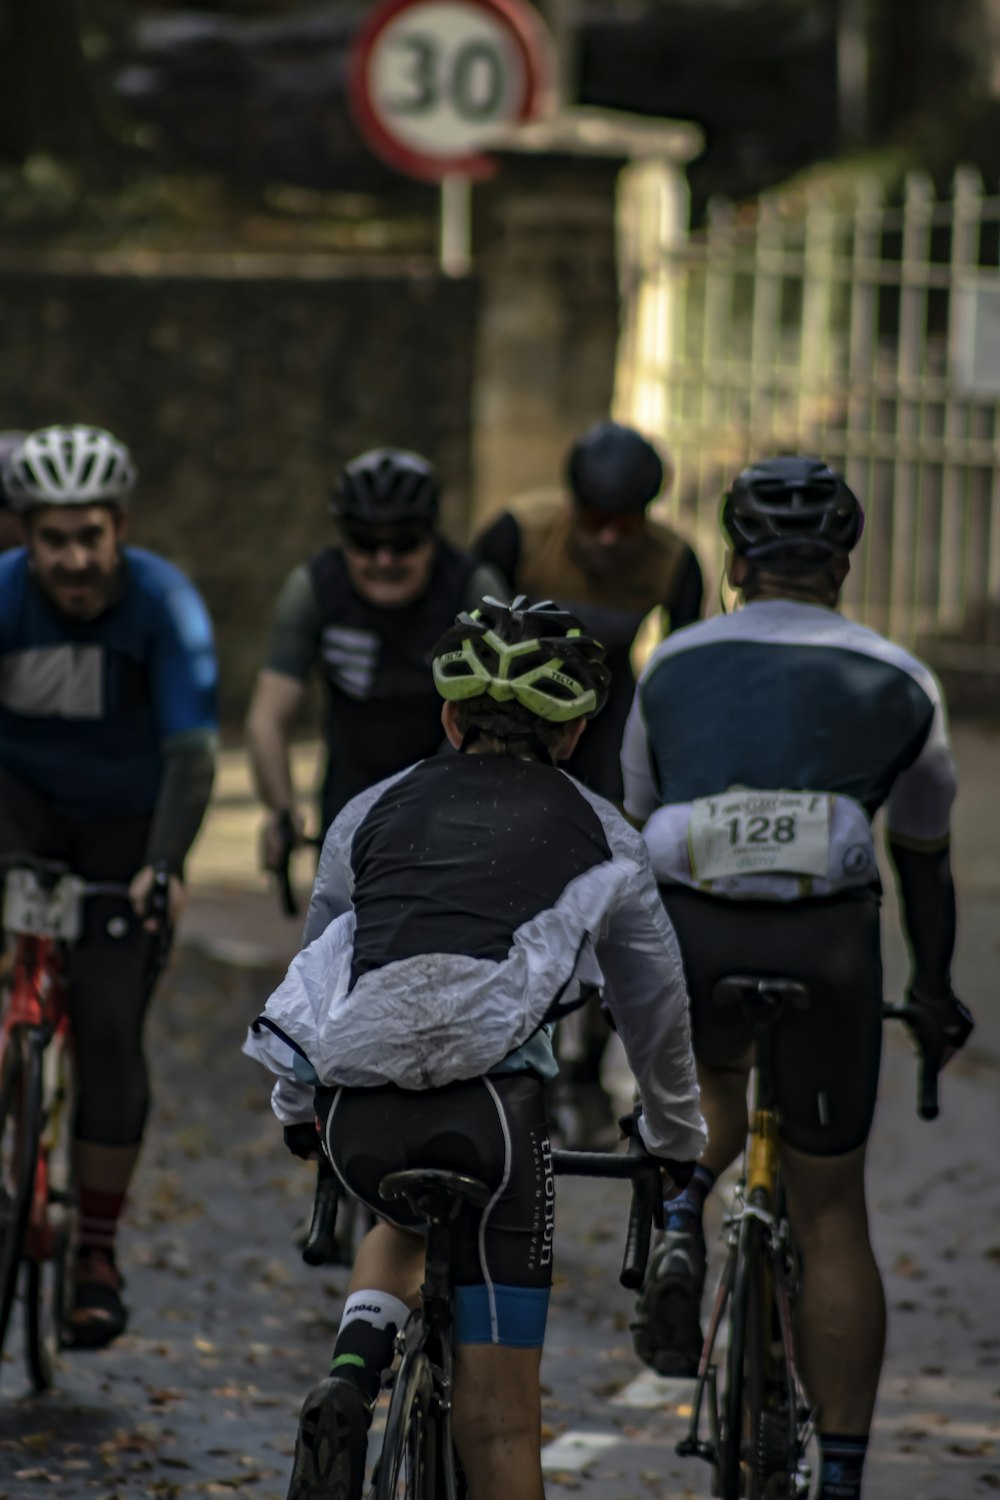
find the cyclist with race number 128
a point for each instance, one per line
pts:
(481, 895)
(107, 746)
(759, 748)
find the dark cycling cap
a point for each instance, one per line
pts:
(615, 468)
(9, 444)
(537, 655)
(792, 513)
(387, 485)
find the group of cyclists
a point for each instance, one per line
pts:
(511, 828)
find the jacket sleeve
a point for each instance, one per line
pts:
(333, 888)
(648, 999)
(331, 893)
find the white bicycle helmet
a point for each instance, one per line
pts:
(68, 466)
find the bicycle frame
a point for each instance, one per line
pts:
(758, 1198)
(38, 1001)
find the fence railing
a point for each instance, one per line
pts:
(866, 332)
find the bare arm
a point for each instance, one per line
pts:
(276, 700)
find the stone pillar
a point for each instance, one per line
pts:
(545, 244)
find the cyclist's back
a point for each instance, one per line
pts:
(759, 748)
(789, 695)
(485, 893)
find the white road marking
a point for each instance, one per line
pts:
(573, 1451)
(650, 1391)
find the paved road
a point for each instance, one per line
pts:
(229, 1328)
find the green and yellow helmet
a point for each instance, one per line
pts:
(534, 654)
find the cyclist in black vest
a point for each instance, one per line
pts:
(366, 612)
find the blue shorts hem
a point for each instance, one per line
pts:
(514, 1317)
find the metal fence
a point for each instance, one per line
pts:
(865, 332)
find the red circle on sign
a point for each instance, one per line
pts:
(525, 30)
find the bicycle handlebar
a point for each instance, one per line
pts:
(647, 1197)
(319, 1246)
(638, 1166)
(934, 1042)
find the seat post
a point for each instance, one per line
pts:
(437, 1289)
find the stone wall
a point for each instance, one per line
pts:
(545, 361)
(240, 391)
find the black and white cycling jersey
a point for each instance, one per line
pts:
(457, 908)
(784, 697)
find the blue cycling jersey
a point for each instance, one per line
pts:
(86, 706)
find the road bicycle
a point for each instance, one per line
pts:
(760, 1425)
(418, 1459)
(43, 906)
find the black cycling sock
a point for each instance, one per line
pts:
(684, 1212)
(842, 1460)
(366, 1340)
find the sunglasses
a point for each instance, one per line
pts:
(625, 523)
(398, 540)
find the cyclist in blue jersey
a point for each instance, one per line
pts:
(107, 745)
(759, 748)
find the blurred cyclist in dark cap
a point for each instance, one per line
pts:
(593, 548)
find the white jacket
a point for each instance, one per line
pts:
(430, 1020)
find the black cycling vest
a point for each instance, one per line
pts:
(384, 711)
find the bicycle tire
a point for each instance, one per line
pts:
(744, 1396)
(48, 1287)
(20, 1129)
(408, 1465)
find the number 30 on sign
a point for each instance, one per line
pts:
(432, 81)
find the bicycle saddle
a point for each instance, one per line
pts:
(435, 1194)
(761, 998)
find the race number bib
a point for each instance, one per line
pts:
(31, 908)
(758, 833)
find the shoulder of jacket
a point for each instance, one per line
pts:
(538, 510)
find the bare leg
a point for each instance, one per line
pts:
(841, 1310)
(498, 1421)
(497, 1397)
(390, 1260)
(724, 1106)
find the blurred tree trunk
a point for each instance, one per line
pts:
(937, 58)
(47, 102)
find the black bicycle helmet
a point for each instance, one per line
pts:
(795, 513)
(537, 655)
(614, 468)
(385, 486)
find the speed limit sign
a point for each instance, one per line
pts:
(432, 81)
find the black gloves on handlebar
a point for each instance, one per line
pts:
(680, 1172)
(302, 1139)
(940, 1026)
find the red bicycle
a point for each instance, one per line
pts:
(43, 907)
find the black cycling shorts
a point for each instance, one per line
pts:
(494, 1129)
(827, 1058)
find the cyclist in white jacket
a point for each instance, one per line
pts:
(460, 908)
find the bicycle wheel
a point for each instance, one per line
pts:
(20, 1127)
(48, 1288)
(743, 1403)
(408, 1465)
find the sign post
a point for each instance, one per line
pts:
(433, 81)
